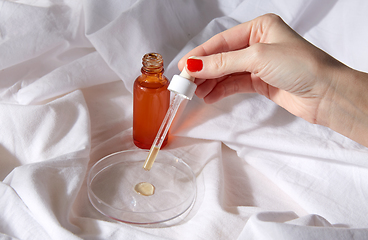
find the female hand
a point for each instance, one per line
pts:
(267, 57)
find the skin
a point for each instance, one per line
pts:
(266, 56)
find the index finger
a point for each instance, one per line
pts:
(232, 39)
(258, 30)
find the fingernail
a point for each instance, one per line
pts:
(194, 64)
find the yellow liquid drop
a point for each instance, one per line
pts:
(144, 188)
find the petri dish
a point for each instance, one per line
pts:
(112, 187)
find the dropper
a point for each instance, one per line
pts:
(183, 87)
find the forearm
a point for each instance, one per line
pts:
(344, 108)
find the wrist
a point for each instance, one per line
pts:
(344, 108)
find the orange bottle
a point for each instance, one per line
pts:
(151, 99)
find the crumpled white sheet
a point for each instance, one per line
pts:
(66, 74)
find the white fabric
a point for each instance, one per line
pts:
(66, 74)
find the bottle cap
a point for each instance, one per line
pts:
(183, 84)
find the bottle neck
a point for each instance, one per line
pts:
(152, 64)
(152, 71)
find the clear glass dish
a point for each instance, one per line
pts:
(112, 179)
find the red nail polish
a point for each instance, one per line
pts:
(194, 65)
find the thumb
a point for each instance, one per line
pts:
(225, 63)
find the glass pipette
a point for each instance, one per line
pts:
(164, 128)
(183, 87)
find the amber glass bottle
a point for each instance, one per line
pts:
(151, 99)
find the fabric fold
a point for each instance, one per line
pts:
(66, 74)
